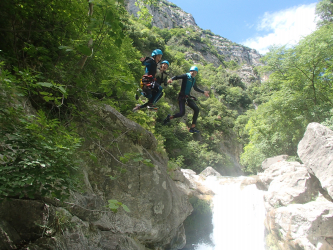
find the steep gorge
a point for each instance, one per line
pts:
(157, 207)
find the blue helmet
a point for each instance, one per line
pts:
(153, 53)
(157, 52)
(194, 68)
(166, 62)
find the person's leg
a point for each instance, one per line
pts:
(148, 94)
(196, 110)
(181, 102)
(138, 107)
(158, 92)
(144, 105)
(159, 97)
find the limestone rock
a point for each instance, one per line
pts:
(193, 186)
(165, 15)
(209, 171)
(270, 161)
(316, 152)
(273, 171)
(308, 223)
(293, 185)
(177, 175)
(303, 226)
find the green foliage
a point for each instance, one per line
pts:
(300, 92)
(232, 65)
(38, 156)
(324, 10)
(114, 205)
(136, 157)
(143, 12)
(63, 74)
(208, 32)
(174, 164)
(329, 121)
(55, 65)
(61, 222)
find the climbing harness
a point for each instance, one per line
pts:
(189, 97)
(146, 84)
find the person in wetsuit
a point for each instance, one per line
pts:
(162, 76)
(151, 68)
(188, 81)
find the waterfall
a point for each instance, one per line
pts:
(238, 215)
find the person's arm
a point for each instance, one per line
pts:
(206, 93)
(183, 77)
(145, 61)
(195, 87)
(184, 81)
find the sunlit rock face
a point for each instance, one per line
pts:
(298, 199)
(157, 207)
(165, 15)
(303, 226)
(293, 184)
(316, 152)
(193, 185)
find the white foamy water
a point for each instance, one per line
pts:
(238, 216)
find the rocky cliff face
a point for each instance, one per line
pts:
(298, 197)
(157, 207)
(165, 15)
(168, 15)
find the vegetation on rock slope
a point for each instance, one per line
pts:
(46, 56)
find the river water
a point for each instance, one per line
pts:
(238, 216)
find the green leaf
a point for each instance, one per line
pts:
(112, 177)
(138, 159)
(62, 89)
(124, 159)
(47, 98)
(126, 208)
(149, 164)
(45, 84)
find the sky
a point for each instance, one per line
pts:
(257, 24)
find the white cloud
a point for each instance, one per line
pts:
(284, 27)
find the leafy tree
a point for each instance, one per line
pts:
(302, 93)
(324, 10)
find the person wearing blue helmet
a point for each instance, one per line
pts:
(151, 62)
(184, 97)
(162, 76)
(154, 91)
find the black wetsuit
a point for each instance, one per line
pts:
(151, 66)
(156, 89)
(161, 77)
(184, 96)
